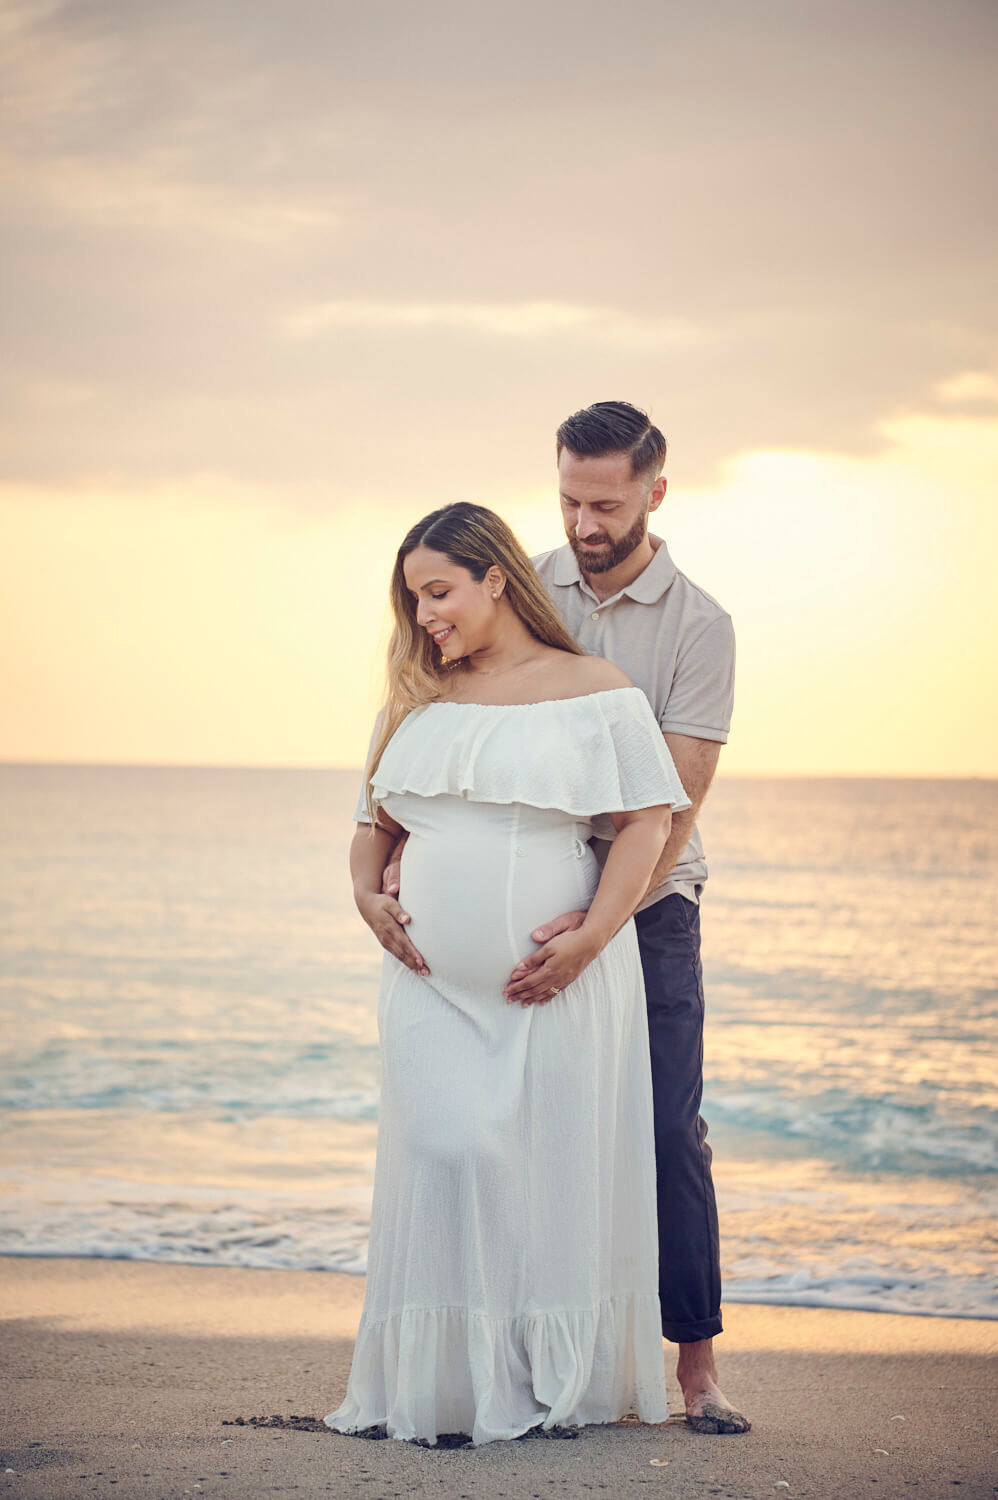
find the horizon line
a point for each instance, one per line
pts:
(128, 765)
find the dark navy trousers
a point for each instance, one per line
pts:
(689, 1266)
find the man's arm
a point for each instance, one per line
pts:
(640, 834)
(391, 880)
(696, 762)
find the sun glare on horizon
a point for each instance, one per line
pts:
(203, 626)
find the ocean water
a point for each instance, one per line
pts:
(188, 1059)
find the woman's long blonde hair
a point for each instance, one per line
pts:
(472, 537)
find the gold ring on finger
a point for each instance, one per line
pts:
(555, 990)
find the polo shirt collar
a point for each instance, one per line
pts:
(647, 588)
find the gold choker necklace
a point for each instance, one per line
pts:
(484, 671)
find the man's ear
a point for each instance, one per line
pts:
(657, 494)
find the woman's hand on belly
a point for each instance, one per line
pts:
(552, 968)
(387, 920)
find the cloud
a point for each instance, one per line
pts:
(513, 320)
(264, 239)
(154, 195)
(974, 386)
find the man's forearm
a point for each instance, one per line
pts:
(679, 836)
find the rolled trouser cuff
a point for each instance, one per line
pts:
(692, 1333)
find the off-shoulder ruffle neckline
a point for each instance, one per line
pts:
(535, 703)
(593, 753)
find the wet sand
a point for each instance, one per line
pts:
(118, 1379)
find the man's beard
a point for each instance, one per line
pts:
(604, 558)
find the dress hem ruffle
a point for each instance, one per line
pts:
(425, 1371)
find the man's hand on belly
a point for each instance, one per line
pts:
(391, 880)
(569, 921)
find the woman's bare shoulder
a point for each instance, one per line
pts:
(594, 674)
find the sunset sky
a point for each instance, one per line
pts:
(280, 279)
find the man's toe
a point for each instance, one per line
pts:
(714, 1419)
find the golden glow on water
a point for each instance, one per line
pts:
(796, 1212)
(193, 1063)
(267, 1153)
(749, 1051)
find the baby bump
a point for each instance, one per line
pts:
(474, 901)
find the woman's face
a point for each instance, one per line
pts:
(455, 610)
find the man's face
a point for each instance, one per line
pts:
(604, 508)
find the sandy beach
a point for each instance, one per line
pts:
(119, 1379)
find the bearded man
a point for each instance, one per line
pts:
(622, 597)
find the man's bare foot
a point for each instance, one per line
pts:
(707, 1408)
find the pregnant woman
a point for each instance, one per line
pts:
(512, 1279)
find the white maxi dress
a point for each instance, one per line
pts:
(512, 1278)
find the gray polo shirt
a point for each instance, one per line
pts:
(674, 642)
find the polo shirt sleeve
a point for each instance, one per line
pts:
(703, 685)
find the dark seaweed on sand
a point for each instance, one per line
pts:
(378, 1434)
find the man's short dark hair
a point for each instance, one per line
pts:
(610, 427)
